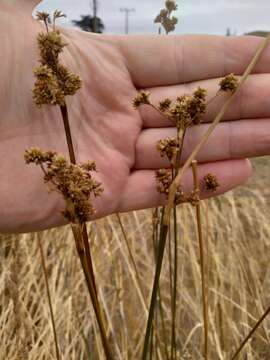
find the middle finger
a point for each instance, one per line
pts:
(251, 102)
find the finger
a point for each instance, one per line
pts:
(27, 5)
(169, 60)
(141, 193)
(251, 102)
(230, 140)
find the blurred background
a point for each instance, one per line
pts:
(196, 16)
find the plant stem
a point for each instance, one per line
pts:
(254, 329)
(49, 298)
(202, 259)
(64, 112)
(137, 278)
(88, 255)
(77, 232)
(129, 250)
(160, 255)
(180, 139)
(174, 294)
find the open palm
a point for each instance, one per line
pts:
(104, 125)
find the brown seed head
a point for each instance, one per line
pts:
(46, 89)
(171, 5)
(74, 182)
(69, 82)
(167, 147)
(229, 83)
(164, 181)
(50, 47)
(211, 182)
(165, 104)
(58, 14)
(188, 109)
(165, 17)
(43, 16)
(54, 81)
(142, 98)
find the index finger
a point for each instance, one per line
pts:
(171, 60)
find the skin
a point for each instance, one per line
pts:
(104, 125)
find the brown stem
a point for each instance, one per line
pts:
(202, 259)
(64, 112)
(88, 255)
(254, 329)
(49, 298)
(78, 235)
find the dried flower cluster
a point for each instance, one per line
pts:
(229, 84)
(188, 109)
(74, 182)
(53, 81)
(165, 17)
(167, 147)
(184, 112)
(142, 98)
(164, 180)
(211, 182)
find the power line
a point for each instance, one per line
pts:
(127, 12)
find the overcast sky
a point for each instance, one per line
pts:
(195, 16)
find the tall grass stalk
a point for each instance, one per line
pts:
(77, 232)
(251, 333)
(202, 258)
(44, 268)
(139, 285)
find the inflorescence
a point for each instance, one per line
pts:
(53, 83)
(74, 182)
(165, 17)
(184, 112)
(53, 80)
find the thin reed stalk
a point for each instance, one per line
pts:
(44, 268)
(77, 232)
(251, 333)
(202, 259)
(138, 280)
(160, 256)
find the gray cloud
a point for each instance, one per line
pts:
(196, 16)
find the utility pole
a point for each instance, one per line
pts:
(95, 6)
(127, 12)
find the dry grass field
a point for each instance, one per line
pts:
(238, 235)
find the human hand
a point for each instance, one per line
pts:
(104, 125)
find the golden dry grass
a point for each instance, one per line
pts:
(237, 230)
